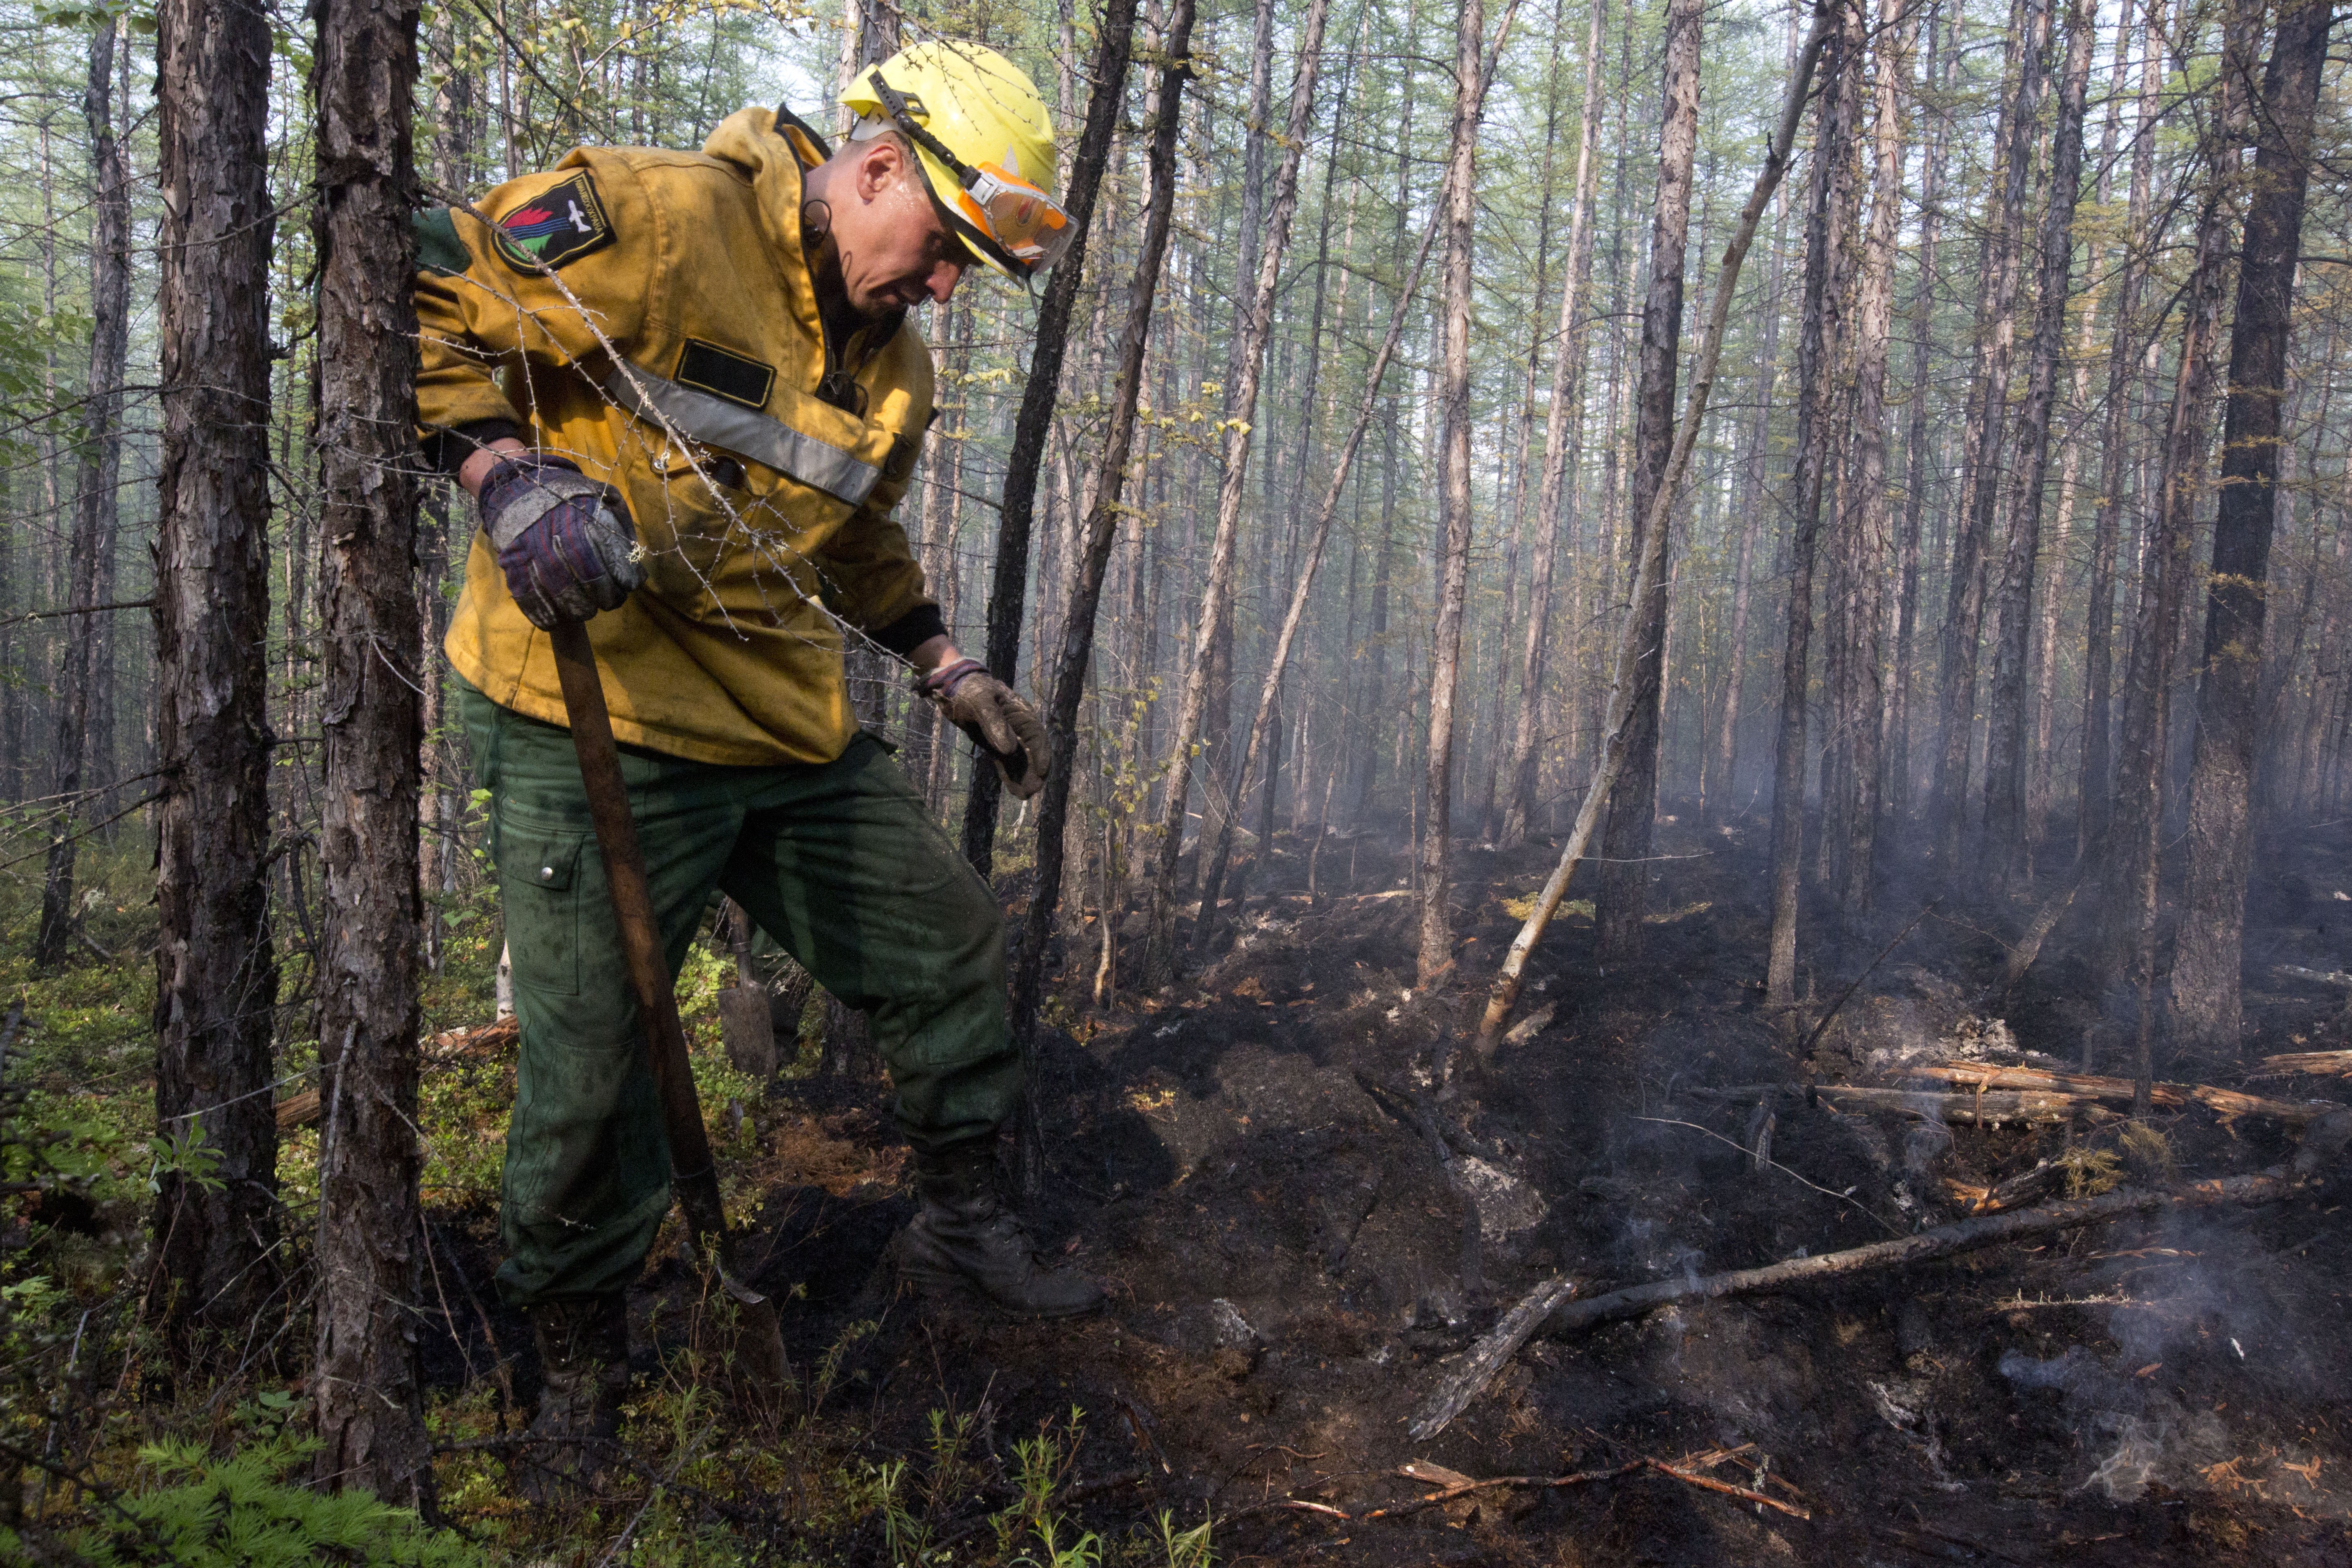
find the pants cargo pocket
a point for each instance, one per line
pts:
(539, 884)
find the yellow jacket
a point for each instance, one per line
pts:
(649, 315)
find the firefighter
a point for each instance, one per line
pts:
(684, 391)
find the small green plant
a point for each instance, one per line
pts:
(1185, 1547)
(246, 1511)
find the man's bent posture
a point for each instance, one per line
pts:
(683, 388)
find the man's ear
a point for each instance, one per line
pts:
(881, 164)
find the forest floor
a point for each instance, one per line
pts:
(1240, 1157)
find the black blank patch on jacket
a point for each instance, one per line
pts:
(712, 369)
(562, 223)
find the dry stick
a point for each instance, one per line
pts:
(1629, 641)
(1518, 1483)
(1855, 984)
(1964, 1236)
(1944, 1241)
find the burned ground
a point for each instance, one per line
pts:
(1244, 1157)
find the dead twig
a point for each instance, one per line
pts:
(1856, 984)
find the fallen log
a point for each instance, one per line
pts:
(1455, 1392)
(2315, 1064)
(2003, 1105)
(2334, 977)
(1975, 1075)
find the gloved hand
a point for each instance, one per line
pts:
(999, 722)
(565, 542)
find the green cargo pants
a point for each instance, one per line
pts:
(838, 862)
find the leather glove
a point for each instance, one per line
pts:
(998, 721)
(564, 541)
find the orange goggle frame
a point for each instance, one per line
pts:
(1013, 221)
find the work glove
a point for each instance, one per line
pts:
(564, 541)
(999, 722)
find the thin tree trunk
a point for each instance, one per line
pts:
(369, 1385)
(1624, 882)
(2132, 854)
(1629, 651)
(1165, 115)
(1820, 344)
(1997, 330)
(2206, 965)
(1161, 950)
(1873, 325)
(216, 979)
(1918, 445)
(2005, 751)
(2099, 788)
(1009, 583)
(1459, 204)
(94, 503)
(1560, 447)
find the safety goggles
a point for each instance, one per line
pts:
(1010, 221)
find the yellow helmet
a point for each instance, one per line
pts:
(983, 143)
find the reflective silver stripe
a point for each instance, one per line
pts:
(718, 422)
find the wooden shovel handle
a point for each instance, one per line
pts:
(692, 1174)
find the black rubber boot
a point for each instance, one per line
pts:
(584, 1357)
(965, 1239)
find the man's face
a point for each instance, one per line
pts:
(895, 251)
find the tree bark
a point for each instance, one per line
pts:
(1820, 344)
(1560, 444)
(1009, 582)
(2005, 856)
(216, 975)
(1622, 896)
(1165, 115)
(1161, 950)
(2207, 963)
(369, 1382)
(94, 501)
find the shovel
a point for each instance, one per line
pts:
(764, 1376)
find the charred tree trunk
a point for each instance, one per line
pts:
(2206, 964)
(1624, 880)
(1820, 345)
(216, 977)
(94, 502)
(1164, 114)
(1008, 585)
(1560, 446)
(2005, 856)
(369, 1382)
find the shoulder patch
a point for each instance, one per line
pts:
(725, 373)
(561, 223)
(439, 247)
